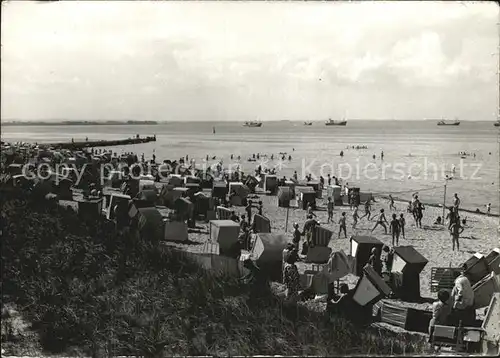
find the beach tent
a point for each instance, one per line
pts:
(150, 223)
(334, 192)
(191, 179)
(477, 268)
(305, 196)
(291, 184)
(251, 182)
(147, 177)
(284, 196)
(269, 247)
(175, 231)
(15, 169)
(322, 236)
(192, 188)
(364, 196)
(318, 254)
(493, 260)
(485, 289)
(115, 178)
(360, 249)
(339, 265)
(409, 263)
(225, 233)
(148, 197)
(491, 326)
(261, 224)
(316, 185)
(370, 288)
(219, 189)
(223, 213)
(173, 195)
(117, 199)
(90, 208)
(147, 185)
(267, 252)
(239, 188)
(175, 180)
(270, 183)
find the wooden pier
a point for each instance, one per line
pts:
(100, 143)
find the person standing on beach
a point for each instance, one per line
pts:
(456, 202)
(330, 210)
(488, 208)
(342, 226)
(394, 229)
(355, 217)
(329, 179)
(260, 208)
(455, 230)
(295, 176)
(381, 221)
(248, 210)
(391, 203)
(308, 229)
(451, 216)
(375, 262)
(402, 223)
(296, 235)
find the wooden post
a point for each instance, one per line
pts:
(444, 199)
(286, 223)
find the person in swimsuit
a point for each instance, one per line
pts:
(391, 203)
(455, 230)
(355, 217)
(367, 210)
(342, 226)
(381, 221)
(394, 228)
(402, 223)
(330, 210)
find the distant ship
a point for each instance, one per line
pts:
(497, 123)
(456, 122)
(308, 123)
(252, 124)
(331, 122)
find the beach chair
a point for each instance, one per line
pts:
(442, 278)
(322, 236)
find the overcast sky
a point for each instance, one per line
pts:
(239, 61)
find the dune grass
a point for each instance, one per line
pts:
(87, 289)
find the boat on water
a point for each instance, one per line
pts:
(252, 124)
(331, 122)
(308, 123)
(442, 122)
(497, 124)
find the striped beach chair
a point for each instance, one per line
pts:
(322, 236)
(223, 213)
(442, 278)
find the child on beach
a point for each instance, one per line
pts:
(402, 223)
(391, 203)
(394, 228)
(367, 210)
(330, 210)
(381, 221)
(342, 225)
(355, 217)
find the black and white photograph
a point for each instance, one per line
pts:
(250, 178)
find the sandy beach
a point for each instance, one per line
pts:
(433, 242)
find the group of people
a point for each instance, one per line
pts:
(455, 308)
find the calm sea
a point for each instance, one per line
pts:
(417, 154)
